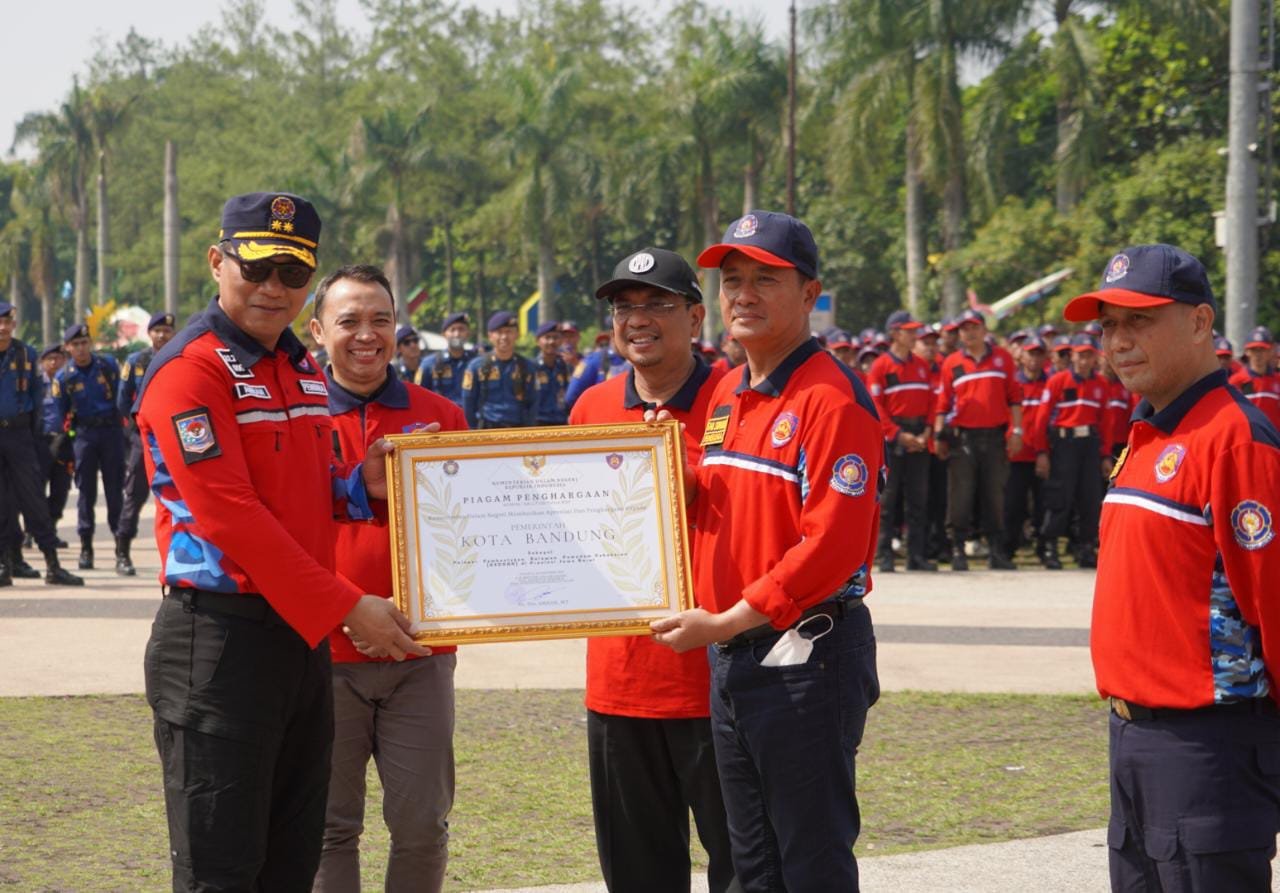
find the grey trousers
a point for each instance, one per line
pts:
(401, 714)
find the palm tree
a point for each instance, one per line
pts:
(104, 114)
(391, 148)
(64, 146)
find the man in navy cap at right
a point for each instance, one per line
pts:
(160, 329)
(444, 370)
(498, 390)
(1186, 623)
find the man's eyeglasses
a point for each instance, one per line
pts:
(292, 275)
(656, 310)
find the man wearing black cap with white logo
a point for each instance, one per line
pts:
(20, 478)
(551, 378)
(136, 488)
(648, 732)
(786, 510)
(444, 370)
(1186, 621)
(85, 391)
(498, 390)
(234, 416)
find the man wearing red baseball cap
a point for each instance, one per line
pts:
(1185, 620)
(786, 514)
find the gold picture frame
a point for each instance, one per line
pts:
(538, 533)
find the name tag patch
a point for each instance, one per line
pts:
(717, 426)
(315, 388)
(234, 366)
(257, 391)
(196, 436)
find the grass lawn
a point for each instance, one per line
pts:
(81, 807)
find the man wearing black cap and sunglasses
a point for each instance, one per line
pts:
(234, 417)
(786, 513)
(1185, 614)
(648, 733)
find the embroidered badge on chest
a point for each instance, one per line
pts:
(234, 366)
(717, 427)
(314, 388)
(785, 427)
(1169, 461)
(849, 476)
(1251, 525)
(196, 437)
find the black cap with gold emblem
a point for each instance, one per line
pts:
(259, 225)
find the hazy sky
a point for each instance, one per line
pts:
(44, 42)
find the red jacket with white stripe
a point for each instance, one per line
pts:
(978, 393)
(1184, 609)
(788, 506)
(1070, 401)
(901, 389)
(1263, 391)
(1032, 396)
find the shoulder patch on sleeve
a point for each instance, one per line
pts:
(849, 475)
(195, 435)
(1251, 524)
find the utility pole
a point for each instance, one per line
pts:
(172, 228)
(791, 117)
(1242, 173)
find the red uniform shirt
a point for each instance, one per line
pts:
(1032, 398)
(978, 393)
(633, 675)
(788, 489)
(364, 547)
(1070, 401)
(1184, 609)
(1263, 391)
(239, 452)
(1115, 416)
(901, 389)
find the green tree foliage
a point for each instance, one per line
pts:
(943, 145)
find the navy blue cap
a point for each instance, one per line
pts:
(933, 330)
(1093, 328)
(1145, 276)
(838, 338)
(868, 350)
(453, 318)
(969, 315)
(162, 318)
(501, 319)
(1222, 347)
(770, 237)
(1061, 343)
(547, 328)
(5, 308)
(569, 325)
(1048, 330)
(901, 319)
(1019, 335)
(406, 333)
(75, 330)
(1034, 342)
(1083, 341)
(653, 266)
(51, 348)
(1259, 337)
(264, 224)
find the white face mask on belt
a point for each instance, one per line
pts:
(792, 648)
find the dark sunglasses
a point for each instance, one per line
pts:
(292, 275)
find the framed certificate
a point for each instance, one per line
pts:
(538, 533)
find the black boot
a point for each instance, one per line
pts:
(5, 578)
(86, 553)
(1049, 555)
(959, 561)
(124, 566)
(54, 575)
(884, 562)
(920, 563)
(997, 559)
(18, 566)
(1086, 557)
